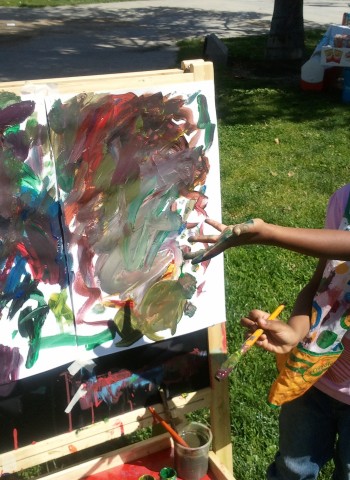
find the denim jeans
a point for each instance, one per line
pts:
(313, 429)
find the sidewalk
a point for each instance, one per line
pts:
(128, 36)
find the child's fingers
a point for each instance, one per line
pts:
(218, 225)
(273, 326)
(249, 324)
(203, 238)
(209, 253)
(190, 255)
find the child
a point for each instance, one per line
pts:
(312, 348)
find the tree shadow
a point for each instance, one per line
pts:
(54, 42)
(94, 40)
(278, 86)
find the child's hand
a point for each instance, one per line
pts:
(230, 236)
(278, 336)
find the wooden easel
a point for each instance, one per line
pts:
(215, 397)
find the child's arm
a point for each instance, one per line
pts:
(322, 243)
(281, 337)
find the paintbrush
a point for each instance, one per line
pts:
(229, 364)
(177, 438)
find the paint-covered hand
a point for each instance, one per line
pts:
(246, 233)
(278, 336)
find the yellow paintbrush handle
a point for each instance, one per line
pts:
(255, 335)
(233, 359)
(276, 312)
(249, 342)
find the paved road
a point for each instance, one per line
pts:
(129, 36)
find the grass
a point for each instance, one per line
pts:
(283, 151)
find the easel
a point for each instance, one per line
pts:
(215, 397)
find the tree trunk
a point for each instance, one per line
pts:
(286, 37)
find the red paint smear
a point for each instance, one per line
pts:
(15, 438)
(200, 288)
(151, 465)
(72, 449)
(40, 251)
(6, 270)
(119, 424)
(93, 294)
(186, 366)
(66, 382)
(102, 382)
(83, 276)
(115, 112)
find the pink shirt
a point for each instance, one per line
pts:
(336, 381)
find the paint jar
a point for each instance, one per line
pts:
(147, 477)
(168, 473)
(191, 462)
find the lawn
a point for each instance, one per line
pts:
(283, 151)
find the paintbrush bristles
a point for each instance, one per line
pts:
(223, 373)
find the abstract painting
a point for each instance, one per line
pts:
(99, 193)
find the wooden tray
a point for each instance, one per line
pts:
(129, 463)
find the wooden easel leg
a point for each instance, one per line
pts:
(220, 407)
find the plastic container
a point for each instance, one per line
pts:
(192, 463)
(168, 473)
(312, 73)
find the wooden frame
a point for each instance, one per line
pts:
(216, 397)
(191, 71)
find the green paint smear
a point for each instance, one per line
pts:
(204, 121)
(161, 308)
(104, 173)
(7, 99)
(135, 205)
(30, 323)
(344, 320)
(326, 339)
(58, 305)
(65, 181)
(13, 129)
(191, 98)
(68, 340)
(296, 359)
(232, 360)
(56, 117)
(154, 248)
